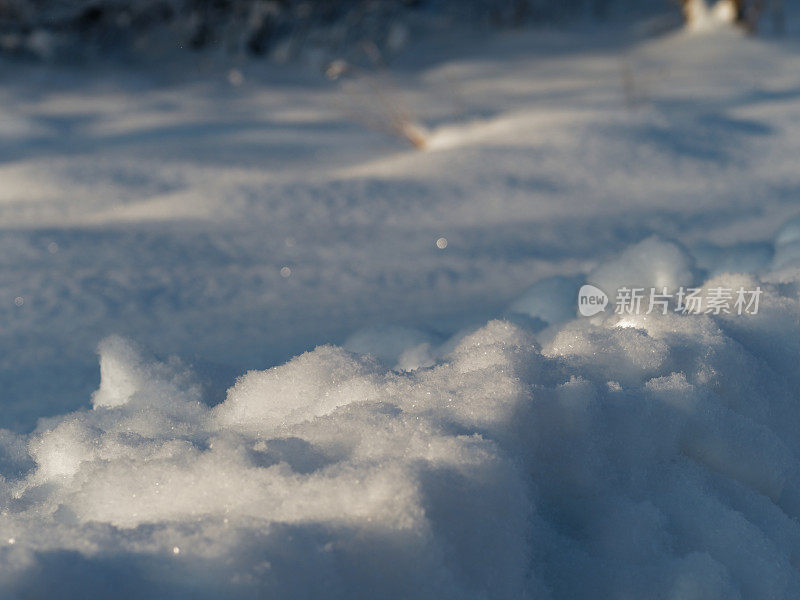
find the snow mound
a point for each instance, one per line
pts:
(650, 263)
(651, 456)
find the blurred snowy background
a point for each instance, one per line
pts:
(202, 189)
(158, 172)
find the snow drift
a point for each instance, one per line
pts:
(654, 456)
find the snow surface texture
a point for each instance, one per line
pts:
(652, 456)
(432, 454)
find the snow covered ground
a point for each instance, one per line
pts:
(459, 433)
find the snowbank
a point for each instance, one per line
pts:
(652, 456)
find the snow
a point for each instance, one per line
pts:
(302, 393)
(650, 263)
(700, 16)
(660, 457)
